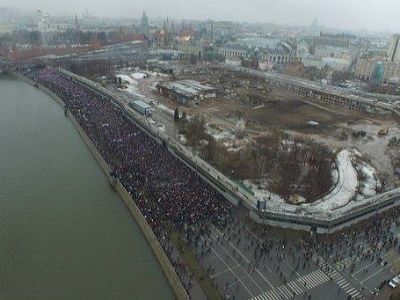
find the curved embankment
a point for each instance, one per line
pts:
(162, 258)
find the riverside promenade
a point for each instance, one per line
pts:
(162, 258)
(232, 250)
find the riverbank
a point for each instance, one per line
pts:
(162, 258)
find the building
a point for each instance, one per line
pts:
(186, 91)
(42, 19)
(366, 68)
(394, 48)
(190, 48)
(334, 40)
(144, 24)
(234, 51)
(273, 50)
(334, 52)
(6, 26)
(233, 61)
(276, 56)
(163, 37)
(77, 27)
(222, 29)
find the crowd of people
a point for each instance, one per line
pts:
(170, 193)
(146, 168)
(167, 192)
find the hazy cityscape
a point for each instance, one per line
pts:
(200, 150)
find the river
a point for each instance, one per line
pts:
(64, 233)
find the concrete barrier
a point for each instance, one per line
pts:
(155, 245)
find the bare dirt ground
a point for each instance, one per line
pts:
(277, 109)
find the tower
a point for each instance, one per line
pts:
(144, 24)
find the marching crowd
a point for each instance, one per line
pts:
(166, 190)
(143, 166)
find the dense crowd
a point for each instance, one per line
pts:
(146, 168)
(166, 190)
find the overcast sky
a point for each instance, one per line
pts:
(346, 14)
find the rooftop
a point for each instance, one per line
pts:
(187, 87)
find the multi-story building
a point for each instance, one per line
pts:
(388, 68)
(266, 50)
(234, 51)
(221, 29)
(6, 27)
(144, 24)
(366, 67)
(334, 40)
(394, 48)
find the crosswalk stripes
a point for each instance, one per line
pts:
(337, 277)
(295, 287)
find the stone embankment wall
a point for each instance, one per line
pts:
(159, 252)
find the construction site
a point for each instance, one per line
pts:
(282, 147)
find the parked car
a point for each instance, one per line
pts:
(395, 281)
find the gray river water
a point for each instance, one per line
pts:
(64, 233)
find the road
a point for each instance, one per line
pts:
(265, 265)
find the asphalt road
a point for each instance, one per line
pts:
(234, 260)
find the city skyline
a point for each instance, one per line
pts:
(356, 15)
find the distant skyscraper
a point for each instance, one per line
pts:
(76, 24)
(42, 20)
(144, 24)
(394, 48)
(315, 23)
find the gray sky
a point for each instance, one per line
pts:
(347, 14)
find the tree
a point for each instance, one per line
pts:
(184, 117)
(195, 130)
(193, 59)
(176, 115)
(339, 76)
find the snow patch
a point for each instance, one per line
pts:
(346, 186)
(138, 75)
(126, 78)
(370, 181)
